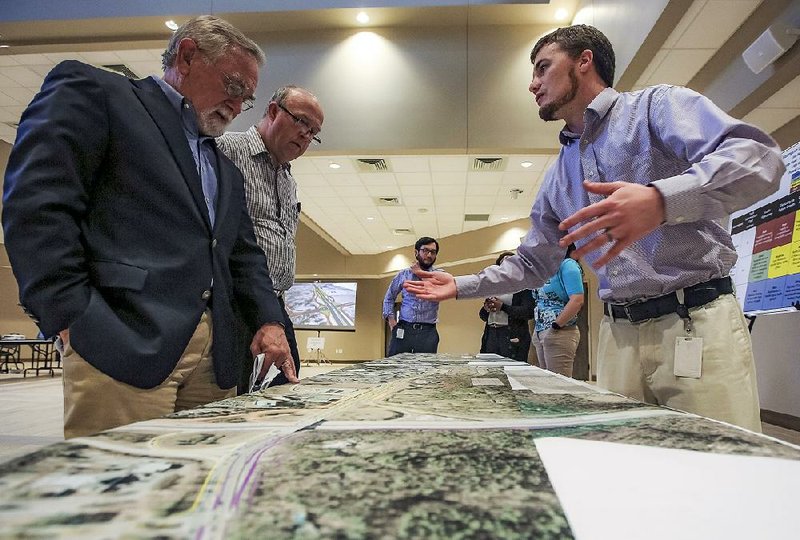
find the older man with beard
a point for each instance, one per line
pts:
(415, 332)
(128, 234)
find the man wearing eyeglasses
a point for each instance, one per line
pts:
(128, 234)
(415, 332)
(291, 122)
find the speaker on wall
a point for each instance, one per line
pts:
(769, 46)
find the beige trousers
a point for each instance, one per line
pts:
(555, 349)
(637, 360)
(94, 402)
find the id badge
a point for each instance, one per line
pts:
(688, 357)
(400, 333)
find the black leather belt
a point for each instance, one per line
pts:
(415, 325)
(694, 296)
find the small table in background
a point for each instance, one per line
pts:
(43, 355)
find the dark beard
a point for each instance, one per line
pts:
(424, 266)
(548, 112)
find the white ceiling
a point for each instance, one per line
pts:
(435, 191)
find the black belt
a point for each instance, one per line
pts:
(415, 325)
(694, 296)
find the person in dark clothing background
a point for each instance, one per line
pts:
(506, 316)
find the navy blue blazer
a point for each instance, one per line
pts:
(108, 233)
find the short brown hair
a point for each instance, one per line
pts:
(575, 39)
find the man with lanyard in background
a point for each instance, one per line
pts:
(415, 332)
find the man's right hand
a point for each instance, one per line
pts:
(271, 340)
(432, 286)
(392, 322)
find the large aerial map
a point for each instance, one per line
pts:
(413, 446)
(322, 305)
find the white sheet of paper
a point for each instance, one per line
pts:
(272, 372)
(621, 491)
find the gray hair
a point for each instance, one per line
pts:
(214, 36)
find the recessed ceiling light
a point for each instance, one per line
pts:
(172, 25)
(561, 14)
(504, 218)
(422, 210)
(334, 165)
(526, 164)
(362, 17)
(4, 46)
(370, 218)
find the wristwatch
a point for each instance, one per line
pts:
(555, 326)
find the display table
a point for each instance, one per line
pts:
(414, 446)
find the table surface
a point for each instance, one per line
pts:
(413, 446)
(26, 341)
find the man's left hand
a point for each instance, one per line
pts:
(628, 213)
(271, 340)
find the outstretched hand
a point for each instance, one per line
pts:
(433, 286)
(628, 213)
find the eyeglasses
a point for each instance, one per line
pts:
(426, 251)
(236, 89)
(305, 126)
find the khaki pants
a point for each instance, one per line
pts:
(94, 402)
(637, 360)
(555, 349)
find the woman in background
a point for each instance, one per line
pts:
(506, 331)
(558, 302)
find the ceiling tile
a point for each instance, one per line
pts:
(346, 192)
(136, 55)
(416, 201)
(383, 191)
(360, 201)
(8, 60)
(484, 178)
(6, 100)
(56, 57)
(100, 58)
(413, 178)
(485, 191)
(449, 178)
(408, 164)
(449, 163)
(715, 23)
(680, 65)
(11, 113)
(658, 58)
(417, 191)
(31, 59)
(786, 97)
(449, 191)
(21, 96)
(770, 119)
(347, 179)
(687, 19)
(6, 82)
(23, 75)
(309, 180)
